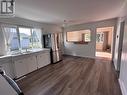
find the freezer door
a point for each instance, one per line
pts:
(57, 56)
(53, 42)
(58, 41)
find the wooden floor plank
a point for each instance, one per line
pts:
(73, 76)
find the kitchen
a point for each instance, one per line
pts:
(48, 47)
(24, 49)
(29, 50)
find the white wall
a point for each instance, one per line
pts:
(20, 21)
(123, 69)
(85, 50)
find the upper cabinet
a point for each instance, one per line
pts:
(82, 36)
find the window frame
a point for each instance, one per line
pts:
(19, 35)
(19, 40)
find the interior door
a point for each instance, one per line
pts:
(120, 45)
(123, 70)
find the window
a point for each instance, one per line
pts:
(99, 37)
(36, 38)
(14, 42)
(87, 37)
(11, 37)
(25, 38)
(30, 38)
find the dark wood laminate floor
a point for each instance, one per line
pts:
(73, 76)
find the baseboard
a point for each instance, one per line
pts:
(80, 55)
(122, 86)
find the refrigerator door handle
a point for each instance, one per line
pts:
(57, 40)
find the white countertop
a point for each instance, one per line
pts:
(24, 53)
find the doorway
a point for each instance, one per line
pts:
(104, 42)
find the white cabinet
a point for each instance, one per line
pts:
(43, 59)
(8, 67)
(21, 68)
(31, 63)
(25, 65)
(19, 65)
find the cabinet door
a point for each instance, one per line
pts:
(21, 68)
(32, 64)
(8, 69)
(43, 59)
(46, 59)
(40, 60)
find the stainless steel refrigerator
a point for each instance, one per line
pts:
(54, 42)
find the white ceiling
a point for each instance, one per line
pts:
(73, 11)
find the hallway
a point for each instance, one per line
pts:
(104, 55)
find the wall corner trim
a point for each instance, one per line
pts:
(122, 86)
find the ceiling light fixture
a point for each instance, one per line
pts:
(65, 23)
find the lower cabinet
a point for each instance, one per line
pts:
(43, 59)
(25, 65)
(8, 67)
(28, 64)
(31, 63)
(21, 68)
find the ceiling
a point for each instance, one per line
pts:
(73, 11)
